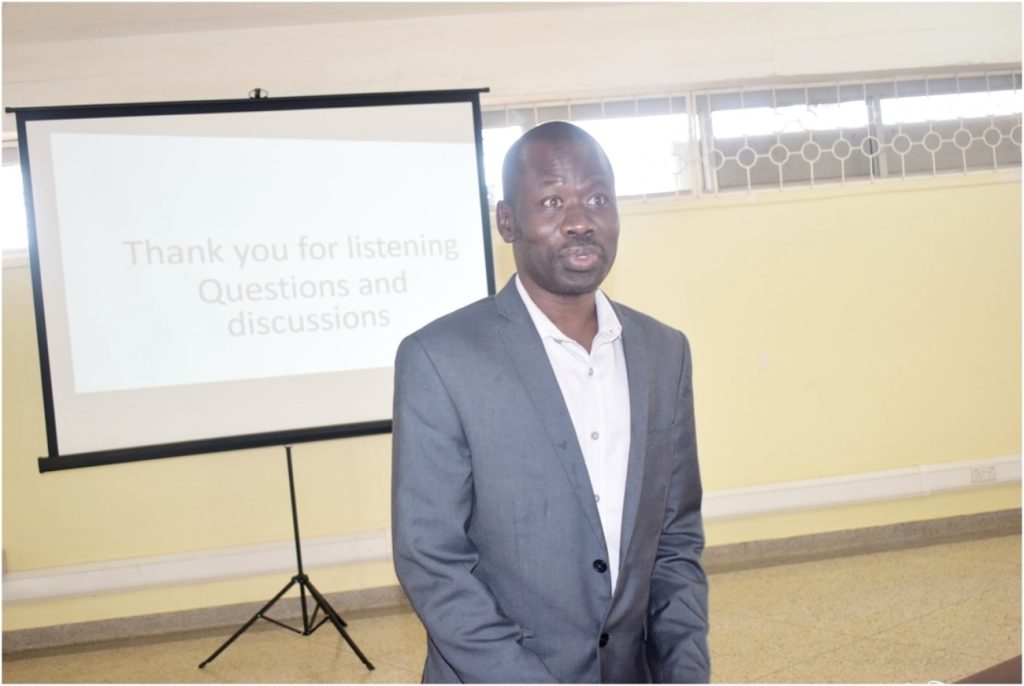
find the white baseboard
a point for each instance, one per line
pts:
(246, 561)
(866, 487)
(194, 567)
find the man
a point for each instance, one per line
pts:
(546, 495)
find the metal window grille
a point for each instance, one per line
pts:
(784, 137)
(797, 136)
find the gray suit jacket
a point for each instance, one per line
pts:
(497, 539)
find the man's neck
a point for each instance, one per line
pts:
(574, 315)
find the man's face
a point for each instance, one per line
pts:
(563, 222)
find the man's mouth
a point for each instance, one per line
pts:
(582, 257)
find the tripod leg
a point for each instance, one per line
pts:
(248, 624)
(338, 622)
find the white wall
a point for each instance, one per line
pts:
(521, 55)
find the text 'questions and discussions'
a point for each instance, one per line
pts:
(242, 294)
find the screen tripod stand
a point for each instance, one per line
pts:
(309, 623)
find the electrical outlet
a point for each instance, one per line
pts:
(980, 475)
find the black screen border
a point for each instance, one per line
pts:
(55, 461)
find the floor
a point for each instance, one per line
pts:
(935, 613)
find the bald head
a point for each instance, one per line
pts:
(552, 132)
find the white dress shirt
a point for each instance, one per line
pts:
(596, 391)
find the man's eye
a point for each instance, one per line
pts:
(553, 201)
(599, 199)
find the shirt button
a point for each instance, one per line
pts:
(600, 566)
(594, 435)
(602, 641)
(590, 371)
(597, 498)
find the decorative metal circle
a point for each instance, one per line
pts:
(717, 159)
(962, 138)
(992, 136)
(901, 143)
(810, 151)
(932, 141)
(1015, 134)
(749, 153)
(842, 149)
(779, 154)
(870, 146)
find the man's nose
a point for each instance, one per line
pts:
(577, 221)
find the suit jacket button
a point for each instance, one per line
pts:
(603, 640)
(600, 566)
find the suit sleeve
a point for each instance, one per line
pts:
(678, 610)
(432, 502)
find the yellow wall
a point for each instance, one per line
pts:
(888, 317)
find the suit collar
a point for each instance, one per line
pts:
(525, 349)
(509, 304)
(638, 366)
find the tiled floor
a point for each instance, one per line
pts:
(933, 613)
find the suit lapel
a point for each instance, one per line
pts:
(637, 367)
(530, 360)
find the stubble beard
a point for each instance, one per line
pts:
(557, 279)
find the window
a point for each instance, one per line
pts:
(14, 225)
(647, 153)
(647, 141)
(744, 139)
(950, 124)
(779, 137)
(497, 141)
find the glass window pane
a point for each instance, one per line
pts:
(12, 200)
(492, 119)
(654, 106)
(523, 116)
(757, 121)
(647, 153)
(496, 143)
(916, 109)
(586, 110)
(620, 109)
(552, 113)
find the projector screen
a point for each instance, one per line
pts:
(212, 276)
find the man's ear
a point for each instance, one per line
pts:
(503, 217)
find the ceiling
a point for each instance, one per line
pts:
(32, 22)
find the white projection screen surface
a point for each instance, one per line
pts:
(222, 275)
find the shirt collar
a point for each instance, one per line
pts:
(608, 326)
